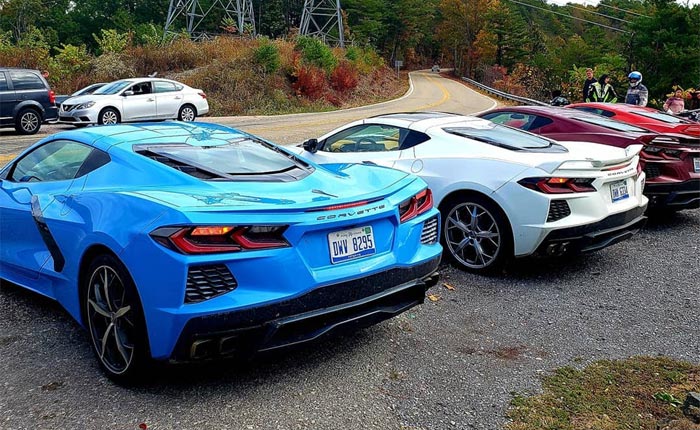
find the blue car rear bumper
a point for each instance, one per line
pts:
(329, 309)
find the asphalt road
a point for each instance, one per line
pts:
(428, 91)
(449, 364)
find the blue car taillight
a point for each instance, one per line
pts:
(416, 205)
(218, 239)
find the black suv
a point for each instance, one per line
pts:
(26, 100)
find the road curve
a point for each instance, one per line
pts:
(428, 91)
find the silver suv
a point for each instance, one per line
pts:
(26, 100)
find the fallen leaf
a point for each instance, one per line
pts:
(448, 286)
(433, 297)
(143, 426)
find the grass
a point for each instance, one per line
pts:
(637, 393)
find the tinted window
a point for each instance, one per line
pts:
(502, 136)
(668, 119)
(54, 161)
(164, 87)
(611, 124)
(142, 88)
(239, 157)
(519, 120)
(596, 111)
(365, 138)
(412, 138)
(3, 82)
(26, 81)
(88, 90)
(114, 87)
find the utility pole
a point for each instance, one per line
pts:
(194, 14)
(322, 18)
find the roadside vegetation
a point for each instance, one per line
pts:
(525, 47)
(241, 76)
(641, 393)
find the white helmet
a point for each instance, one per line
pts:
(635, 78)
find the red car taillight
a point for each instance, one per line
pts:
(217, 239)
(559, 185)
(416, 205)
(52, 97)
(202, 95)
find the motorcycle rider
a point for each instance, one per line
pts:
(602, 91)
(637, 93)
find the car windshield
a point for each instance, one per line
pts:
(238, 157)
(502, 136)
(114, 87)
(664, 117)
(611, 124)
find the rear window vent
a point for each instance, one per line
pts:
(182, 167)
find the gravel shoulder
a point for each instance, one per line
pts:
(453, 363)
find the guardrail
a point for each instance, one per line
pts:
(501, 94)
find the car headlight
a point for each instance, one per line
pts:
(87, 105)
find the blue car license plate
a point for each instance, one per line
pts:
(619, 191)
(350, 244)
(696, 165)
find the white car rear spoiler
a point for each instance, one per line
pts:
(590, 163)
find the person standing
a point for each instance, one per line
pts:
(675, 104)
(602, 91)
(637, 93)
(588, 82)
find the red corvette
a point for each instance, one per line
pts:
(671, 161)
(642, 116)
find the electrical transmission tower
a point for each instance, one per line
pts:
(195, 13)
(322, 19)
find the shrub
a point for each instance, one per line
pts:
(316, 53)
(110, 67)
(311, 82)
(344, 77)
(267, 56)
(111, 40)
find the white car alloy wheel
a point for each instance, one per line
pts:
(187, 114)
(109, 116)
(475, 235)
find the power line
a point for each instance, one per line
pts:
(571, 17)
(623, 10)
(598, 13)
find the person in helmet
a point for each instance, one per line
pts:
(637, 93)
(558, 99)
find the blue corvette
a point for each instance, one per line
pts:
(185, 241)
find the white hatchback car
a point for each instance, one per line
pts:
(502, 192)
(141, 99)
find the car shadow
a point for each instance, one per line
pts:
(69, 339)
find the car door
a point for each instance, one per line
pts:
(168, 99)
(8, 100)
(139, 102)
(374, 143)
(29, 187)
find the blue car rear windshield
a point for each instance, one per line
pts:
(238, 157)
(502, 136)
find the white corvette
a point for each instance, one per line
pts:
(502, 192)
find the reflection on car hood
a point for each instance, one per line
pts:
(322, 188)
